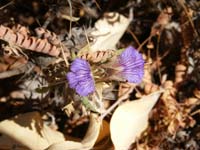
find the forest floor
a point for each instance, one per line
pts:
(41, 109)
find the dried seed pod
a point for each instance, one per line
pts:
(186, 30)
(162, 20)
(174, 117)
(150, 88)
(98, 56)
(180, 72)
(6, 34)
(191, 102)
(46, 34)
(197, 93)
(28, 42)
(20, 29)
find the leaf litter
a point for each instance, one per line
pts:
(99, 75)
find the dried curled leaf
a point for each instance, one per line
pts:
(9, 63)
(29, 127)
(108, 31)
(98, 56)
(28, 42)
(180, 72)
(187, 30)
(88, 141)
(175, 116)
(162, 20)
(130, 120)
(46, 34)
(20, 29)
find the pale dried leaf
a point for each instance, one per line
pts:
(69, 108)
(93, 131)
(29, 130)
(66, 145)
(108, 32)
(73, 19)
(130, 120)
(88, 141)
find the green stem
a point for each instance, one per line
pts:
(88, 105)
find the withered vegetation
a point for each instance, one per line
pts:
(40, 38)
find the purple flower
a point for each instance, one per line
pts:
(132, 65)
(80, 77)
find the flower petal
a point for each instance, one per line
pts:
(130, 55)
(132, 65)
(85, 88)
(133, 76)
(71, 77)
(80, 64)
(80, 77)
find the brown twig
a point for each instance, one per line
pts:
(120, 99)
(19, 70)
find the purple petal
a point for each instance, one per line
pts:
(133, 65)
(85, 88)
(129, 56)
(80, 64)
(71, 77)
(128, 52)
(80, 77)
(133, 76)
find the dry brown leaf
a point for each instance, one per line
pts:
(130, 120)
(104, 131)
(6, 143)
(162, 20)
